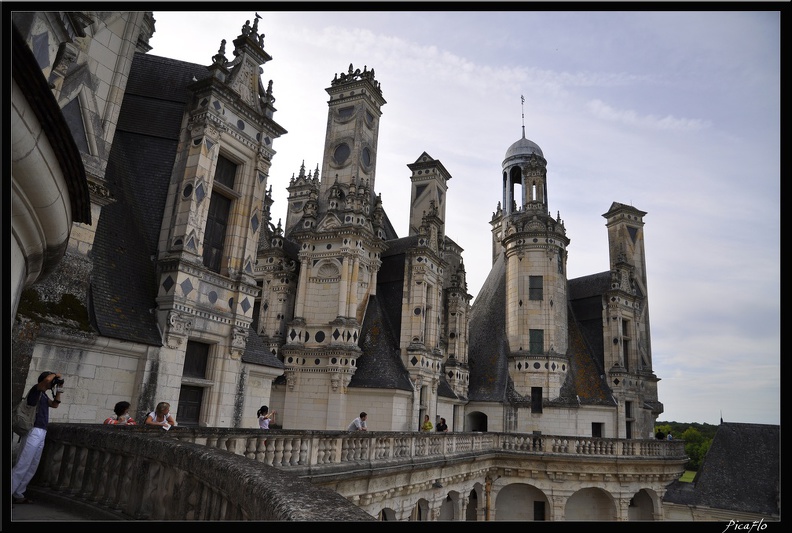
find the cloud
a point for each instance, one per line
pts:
(630, 118)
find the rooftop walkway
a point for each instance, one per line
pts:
(53, 508)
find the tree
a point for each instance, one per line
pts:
(696, 447)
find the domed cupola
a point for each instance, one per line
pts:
(525, 166)
(523, 147)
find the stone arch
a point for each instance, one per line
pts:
(642, 505)
(420, 512)
(590, 504)
(471, 512)
(448, 509)
(387, 515)
(521, 501)
(476, 421)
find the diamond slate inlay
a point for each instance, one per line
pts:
(200, 192)
(168, 284)
(245, 305)
(254, 222)
(186, 286)
(414, 360)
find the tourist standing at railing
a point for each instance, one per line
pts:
(161, 416)
(33, 443)
(442, 426)
(265, 416)
(359, 424)
(427, 424)
(121, 416)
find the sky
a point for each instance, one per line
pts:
(676, 113)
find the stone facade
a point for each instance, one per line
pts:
(196, 297)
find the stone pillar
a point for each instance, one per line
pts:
(343, 286)
(461, 506)
(557, 503)
(622, 509)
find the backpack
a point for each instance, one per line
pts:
(24, 417)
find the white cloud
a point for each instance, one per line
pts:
(630, 118)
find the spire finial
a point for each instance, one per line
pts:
(522, 108)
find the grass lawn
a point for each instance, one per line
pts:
(687, 476)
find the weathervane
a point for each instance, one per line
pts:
(522, 108)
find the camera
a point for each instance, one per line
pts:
(57, 381)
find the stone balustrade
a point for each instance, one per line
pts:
(250, 474)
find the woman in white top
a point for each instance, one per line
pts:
(161, 416)
(265, 416)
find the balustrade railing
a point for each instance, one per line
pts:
(226, 474)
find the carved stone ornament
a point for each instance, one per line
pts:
(239, 342)
(178, 328)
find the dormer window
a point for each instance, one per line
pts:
(218, 215)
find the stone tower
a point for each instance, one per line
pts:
(628, 351)
(535, 246)
(208, 241)
(340, 241)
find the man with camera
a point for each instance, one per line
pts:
(33, 443)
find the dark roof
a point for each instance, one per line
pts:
(400, 246)
(138, 173)
(255, 350)
(488, 347)
(380, 365)
(588, 286)
(585, 381)
(585, 301)
(444, 389)
(740, 472)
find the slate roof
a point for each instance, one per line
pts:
(585, 299)
(489, 347)
(380, 365)
(741, 472)
(585, 382)
(138, 173)
(255, 350)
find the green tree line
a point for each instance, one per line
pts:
(698, 438)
